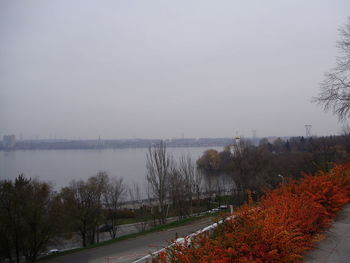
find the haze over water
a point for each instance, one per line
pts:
(62, 166)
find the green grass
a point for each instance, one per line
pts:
(118, 239)
(149, 216)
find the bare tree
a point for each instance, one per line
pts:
(83, 201)
(335, 89)
(187, 169)
(135, 195)
(178, 190)
(113, 196)
(192, 180)
(158, 170)
(140, 207)
(197, 186)
(209, 188)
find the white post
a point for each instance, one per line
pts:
(231, 209)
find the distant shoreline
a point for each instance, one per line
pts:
(114, 144)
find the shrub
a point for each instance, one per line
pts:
(279, 228)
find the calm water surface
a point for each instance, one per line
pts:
(61, 166)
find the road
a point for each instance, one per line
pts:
(125, 229)
(131, 249)
(336, 245)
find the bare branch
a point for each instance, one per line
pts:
(335, 88)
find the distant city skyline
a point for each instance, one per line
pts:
(160, 69)
(20, 136)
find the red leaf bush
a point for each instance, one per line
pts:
(279, 228)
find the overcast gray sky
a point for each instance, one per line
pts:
(157, 69)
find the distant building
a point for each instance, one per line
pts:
(9, 141)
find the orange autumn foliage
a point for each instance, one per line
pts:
(279, 228)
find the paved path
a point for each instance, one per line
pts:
(335, 248)
(125, 229)
(131, 249)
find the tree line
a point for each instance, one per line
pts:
(32, 214)
(264, 166)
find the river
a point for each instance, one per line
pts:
(59, 167)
